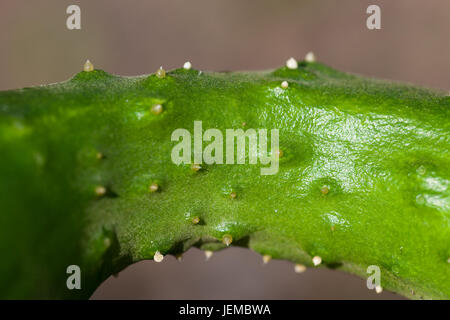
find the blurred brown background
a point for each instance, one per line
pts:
(136, 37)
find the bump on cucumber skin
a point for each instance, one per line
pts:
(380, 149)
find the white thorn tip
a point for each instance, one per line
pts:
(284, 84)
(195, 220)
(299, 268)
(317, 260)
(266, 258)
(88, 66)
(310, 57)
(158, 257)
(157, 109)
(227, 239)
(100, 191)
(208, 254)
(153, 187)
(161, 73)
(187, 65)
(324, 190)
(291, 63)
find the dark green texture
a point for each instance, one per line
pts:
(381, 149)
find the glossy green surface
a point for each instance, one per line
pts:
(380, 149)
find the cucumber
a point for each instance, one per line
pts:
(88, 177)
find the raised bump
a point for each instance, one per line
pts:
(107, 242)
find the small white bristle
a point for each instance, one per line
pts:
(88, 66)
(317, 260)
(161, 73)
(208, 254)
(100, 190)
(299, 268)
(195, 220)
(158, 257)
(266, 258)
(153, 187)
(227, 239)
(284, 84)
(310, 57)
(324, 190)
(421, 170)
(291, 63)
(187, 65)
(156, 109)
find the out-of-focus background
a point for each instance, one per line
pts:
(136, 37)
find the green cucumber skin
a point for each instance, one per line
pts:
(382, 149)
